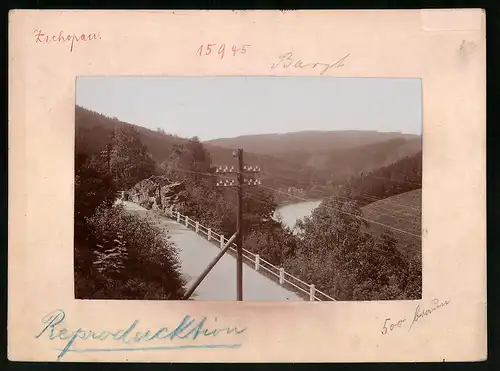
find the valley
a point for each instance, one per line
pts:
(291, 212)
(364, 188)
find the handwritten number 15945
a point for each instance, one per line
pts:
(220, 49)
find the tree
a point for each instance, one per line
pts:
(130, 161)
(276, 243)
(259, 207)
(189, 161)
(333, 225)
(402, 176)
(93, 187)
(339, 253)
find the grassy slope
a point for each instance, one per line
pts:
(403, 212)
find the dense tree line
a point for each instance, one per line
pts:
(339, 252)
(119, 255)
(403, 176)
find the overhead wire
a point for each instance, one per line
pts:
(347, 213)
(329, 194)
(303, 199)
(397, 215)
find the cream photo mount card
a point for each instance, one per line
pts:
(247, 186)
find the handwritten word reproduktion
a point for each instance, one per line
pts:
(188, 329)
(63, 37)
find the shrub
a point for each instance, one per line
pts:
(340, 255)
(93, 187)
(275, 243)
(134, 259)
(147, 204)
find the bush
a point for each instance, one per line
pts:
(340, 255)
(276, 243)
(134, 259)
(147, 204)
(93, 187)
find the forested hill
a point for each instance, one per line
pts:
(402, 176)
(307, 142)
(309, 168)
(326, 159)
(94, 130)
(336, 166)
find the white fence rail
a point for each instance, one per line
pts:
(254, 260)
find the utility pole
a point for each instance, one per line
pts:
(241, 181)
(239, 228)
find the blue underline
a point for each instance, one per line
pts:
(174, 347)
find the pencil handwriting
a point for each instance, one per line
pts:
(286, 61)
(420, 314)
(389, 325)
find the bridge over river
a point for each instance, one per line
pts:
(195, 253)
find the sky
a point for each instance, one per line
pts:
(225, 107)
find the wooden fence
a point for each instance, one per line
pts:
(254, 260)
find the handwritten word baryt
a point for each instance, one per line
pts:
(286, 61)
(63, 37)
(191, 330)
(220, 49)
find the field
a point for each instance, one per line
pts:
(404, 212)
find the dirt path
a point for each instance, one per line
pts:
(196, 253)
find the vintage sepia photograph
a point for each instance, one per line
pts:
(248, 188)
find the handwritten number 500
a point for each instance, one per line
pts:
(221, 50)
(392, 326)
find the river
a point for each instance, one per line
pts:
(290, 213)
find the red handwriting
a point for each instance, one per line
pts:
(220, 50)
(63, 37)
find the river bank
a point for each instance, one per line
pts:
(290, 213)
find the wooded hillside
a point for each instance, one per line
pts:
(402, 176)
(306, 141)
(302, 161)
